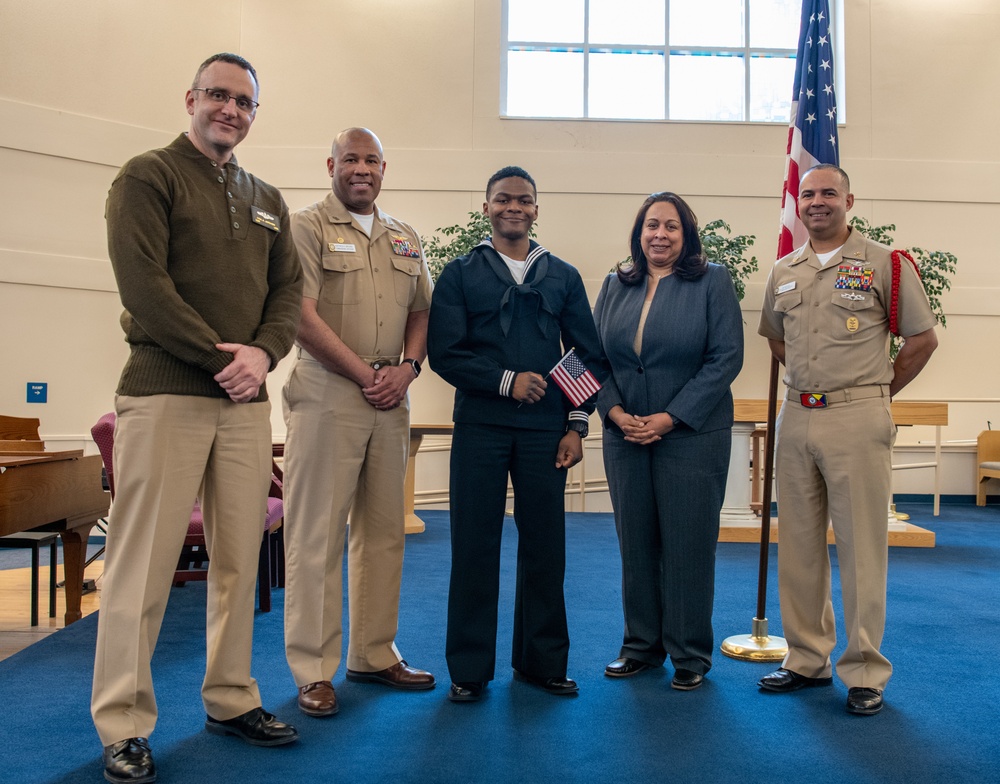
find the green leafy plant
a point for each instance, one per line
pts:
(456, 241)
(936, 268)
(727, 250)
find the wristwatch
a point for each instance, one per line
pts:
(580, 426)
(413, 364)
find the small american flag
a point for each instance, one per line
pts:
(812, 134)
(573, 378)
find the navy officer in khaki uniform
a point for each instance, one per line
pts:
(828, 312)
(361, 340)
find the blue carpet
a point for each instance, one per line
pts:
(938, 724)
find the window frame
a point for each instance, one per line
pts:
(586, 47)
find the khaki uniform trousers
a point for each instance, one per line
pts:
(342, 457)
(834, 464)
(170, 449)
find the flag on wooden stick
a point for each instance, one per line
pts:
(573, 378)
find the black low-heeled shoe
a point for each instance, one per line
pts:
(623, 667)
(557, 686)
(686, 680)
(468, 691)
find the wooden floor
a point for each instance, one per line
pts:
(16, 632)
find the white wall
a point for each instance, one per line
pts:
(87, 85)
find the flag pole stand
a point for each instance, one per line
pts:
(759, 646)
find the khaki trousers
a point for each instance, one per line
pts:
(342, 457)
(834, 464)
(170, 449)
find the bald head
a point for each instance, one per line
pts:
(356, 167)
(350, 134)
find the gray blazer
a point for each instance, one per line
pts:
(692, 350)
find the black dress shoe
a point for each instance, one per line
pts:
(129, 761)
(623, 667)
(782, 680)
(864, 701)
(467, 691)
(557, 686)
(256, 727)
(686, 680)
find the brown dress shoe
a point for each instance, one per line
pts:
(318, 699)
(399, 676)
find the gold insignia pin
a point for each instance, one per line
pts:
(340, 239)
(852, 324)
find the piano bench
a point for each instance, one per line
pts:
(36, 540)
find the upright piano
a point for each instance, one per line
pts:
(50, 491)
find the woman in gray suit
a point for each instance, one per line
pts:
(671, 328)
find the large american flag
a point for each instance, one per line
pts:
(573, 378)
(812, 134)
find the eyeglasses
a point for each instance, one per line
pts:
(221, 97)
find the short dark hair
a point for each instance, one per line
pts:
(692, 263)
(510, 171)
(232, 59)
(830, 167)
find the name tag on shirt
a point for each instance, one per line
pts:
(785, 287)
(265, 218)
(342, 247)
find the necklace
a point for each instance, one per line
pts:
(658, 277)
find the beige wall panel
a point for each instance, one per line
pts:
(53, 205)
(933, 68)
(400, 68)
(855, 103)
(118, 59)
(69, 339)
(77, 137)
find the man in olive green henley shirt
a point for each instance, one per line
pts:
(212, 285)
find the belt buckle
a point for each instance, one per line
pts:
(378, 364)
(813, 400)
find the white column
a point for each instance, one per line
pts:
(736, 511)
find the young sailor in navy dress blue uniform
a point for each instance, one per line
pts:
(501, 318)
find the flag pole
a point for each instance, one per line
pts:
(812, 139)
(758, 646)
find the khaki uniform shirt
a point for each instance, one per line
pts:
(364, 287)
(834, 320)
